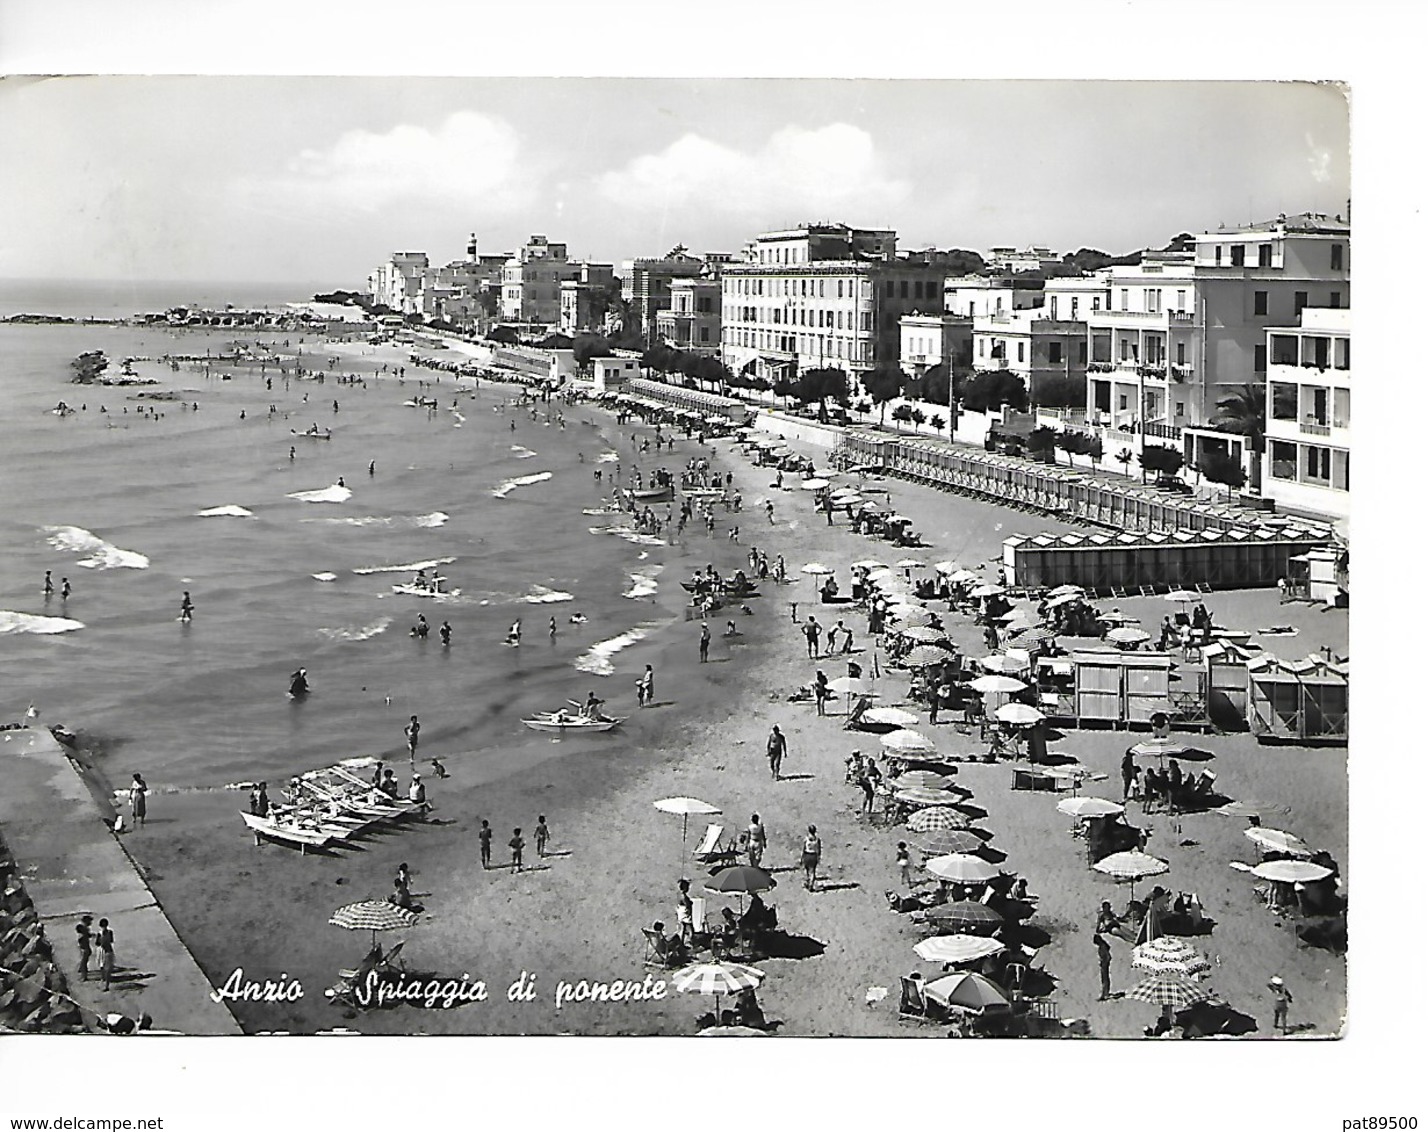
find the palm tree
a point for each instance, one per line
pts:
(1243, 412)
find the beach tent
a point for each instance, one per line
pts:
(1304, 701)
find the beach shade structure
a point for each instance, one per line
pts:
(717, 979)
(1132, 865)
(818, 569)
(996, 684)
(1239, 809)
(926, 656)
(851, 686)
(944, 567)
(922, 780)
(910, 563)
(1183, 597)
(1116, 617)
(925, 634)
(741, 880)
(732, 1032)
(970, 991)
(1089, 807)
(1035, 635)
(920, 796)
(906, 742)
(935, 819)
(1127, 635)
(1169, 749)
(1277, 841)
(1169, 955)
(966, 915)
(1291, 872)
(373, 916)
(962, 576)
(881, 574)
(1003, 664)
(987, 589)
(849, 500)
(910, 615)
(962, 868)
(1017, 620)
(869, 564)
(1018, 715)
(890, 717)
(684, 807)
(940, 842)
(956, 949)
(1166, 989)
(1064, 599)
(1065, 591)
(814, 484)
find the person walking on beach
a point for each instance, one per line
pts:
(646, 687)
(812, 631)
(542, 835)
(904, 865)
(372, 468)
(812, 854)
(484, 835)
(704, 643)
(49, 585)
(186, 609)
(84, 938)
(413, 734)
(446, 633)
(1103, 953)
(104, 940)
(517, 844)
(65, 590)
(1128, 773)
(1282, 999)
(778, 747)
(684, 913)
(757, 840)
(138, 805)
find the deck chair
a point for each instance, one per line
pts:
(712, 850)
(655, 951)
(697, 914)
(913, 1003)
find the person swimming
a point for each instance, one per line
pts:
(513, 637)
(297, 683)
(578, 618)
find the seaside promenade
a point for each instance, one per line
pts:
(72, 864)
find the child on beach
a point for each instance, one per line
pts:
(542, 835)
(485, 837)
(904, 865)
(517, 844)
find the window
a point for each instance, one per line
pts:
(1259, 353)
(1283, 459)
(1180, 353)
(1021, 351)
(1283, 401)
(1125, 401)
(1341, 471)
(1179, 408)
(1180, 300)
(1316, 464)
(981, 347)
(902, 289)
(1074, 303)
(1266, 255)
(1334, 299)
(1125, 299)
(891, 288)
(1219, 252)
(917, 289)
(1336, 257)
(1261, 302)
(1054, 348)
(1081, 351)
(1152, 300)
(840, 288)
(1301, 300)
(1341, 353)
(1237, 255)
(1095, 302)
(1053, 306)
(999, 304)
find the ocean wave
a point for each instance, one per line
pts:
(608, 458)
(520, 481)
(100, 555)
(643, 585)
(522, 453)
(596, 660)
(406, 567)
(337, 493)
(629, 534)
(359, 633)
(12, 622)
(227, 509)
(539, 595)
(325, 576)
(435, 519)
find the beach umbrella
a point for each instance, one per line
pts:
(882, 573)
(988, 589)
(1017, 620)
(373, 916)
(1116, 617)
(1277, 841)
(970, 991)
(1089, 807)
(869, 564)
(906, 742)
(741, 879)
(1291, 872)
(817, 569)
(962, 868)
(716, 979)
(684, 807)
(889, 717)
(1127, 635)
(966, 915)
(957, 948)
(1170, 748)
(910, 615)
(1004, 664)
(922, 780)
(1063, 599)
(1182, 596)
(940, 842)
(1034, 635)
(918, 796)
(1065, 591)
(851, 500)
(993, 683)
(933, 819)
(910, 563)
(1165, 989)
(1018, 715)
(1239, 809)
(899, 519)
(732, 1031)
(814, 484)
(1132, 865)
(960, 576)
(923, 633)
(944, 567)
(925, 656)
(1169, 954)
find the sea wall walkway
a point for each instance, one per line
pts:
(72, 863)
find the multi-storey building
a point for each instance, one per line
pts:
(646, 284)
(1031, 344)
(929, 340)
(1180, 327)
(1306, 458)
(397, 283)
(823, 295)
(692, 321)
(971, 295)
(531, 279)
(583, 298)
(1024, 259)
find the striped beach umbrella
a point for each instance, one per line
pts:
(1165, 989)
(916, 796)
(923, 633)
(970, 991)
(910, 615)
(957, 948)
(1132, 865)
(925, 656)
(939, 842)
(966, 915)
(716, 979)
(373, 916)
(1169, 954)
(934, 818)
(924, 779)
(962, 868)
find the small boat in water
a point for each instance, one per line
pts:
(566, 721)
(413, 590)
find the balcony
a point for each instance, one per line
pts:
(1182, 373)
(1314, 428)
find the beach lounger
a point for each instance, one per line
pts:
(712, 851)
(913, 1003)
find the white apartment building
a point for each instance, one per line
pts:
(398, 282)
(970, 295)
(692, 321)
(582, 297)
(1030, 344)
(928, 340)
(1034, 258)
(1306, 458)
(645, 284)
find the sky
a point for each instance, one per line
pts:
(283, 178)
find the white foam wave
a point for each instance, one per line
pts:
(435, 519)
(337, 493)
(596, 660)
(99, 555)
(629, 534)
(405, 567)
(540, 595)
(358, 633)
(608, 458)
(325, 576)
(12, 622)
(522, 452)
(643, 585)
(520, 481)
(460, 418)
(227, 509)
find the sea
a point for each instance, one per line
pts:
(290, 549)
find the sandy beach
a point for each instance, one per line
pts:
(613, 859)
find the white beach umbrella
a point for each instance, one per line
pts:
(817, 569)
(944, 567)
(1127, 635)
(993, 684)
(1132, 865)
(1004, 663)
(960, 576)
(957, 948)
(1184, 597)
(890, 717)
(910, 563)
(814, 484)
(907, 742)
(1089, 807)
(869, 564)
(1066, 591)
(684, 807)
(962, 868)
(1277, 841)
(851, 686)
(1291, 872)
(1019, 715)
(988, 590)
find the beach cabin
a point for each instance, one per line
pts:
(1227, 684)
(1305, 701)
(611, 374)
(1314, 576)
(1120, 689)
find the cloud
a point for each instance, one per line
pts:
(1321, 160)
(822, 173)
(469, 158)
